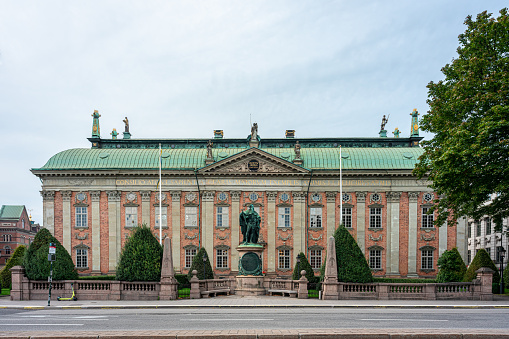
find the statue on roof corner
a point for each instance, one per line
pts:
(396, 133)
(297, 150)
(384, 122)
(96, 131)
(126, 122)
(414, 129)
(114, 134)
(254, 132)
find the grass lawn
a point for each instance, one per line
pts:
(5, 291)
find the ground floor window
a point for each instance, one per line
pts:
(189, 256)
(222, 258)
(284, 259)
(315, 259)
(427, 259)
(81, 258)
(375, 259)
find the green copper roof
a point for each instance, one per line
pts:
(11, 212)
(314, 158)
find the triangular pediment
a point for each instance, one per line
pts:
(253, 161)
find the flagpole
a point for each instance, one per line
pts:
(160, 196)
(340, 186)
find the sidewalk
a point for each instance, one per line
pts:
(233, 301)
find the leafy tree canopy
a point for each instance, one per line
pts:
(452, 267)
(467, 159)
(15, 260)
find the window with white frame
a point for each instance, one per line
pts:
(469, 226)
(164, 216)
(7, 250)
(315, 259)
(315, 214)
(222, 219)
(131, 216)
(478, 228)
(189, 256)
(7, 238)
(284, 217)
(284, 259)
(221, 258)
(347, 217)
(81, 216)
(427, 219)
(81, 258)
(427, 259)
(375, 259)
(375, 217)
(191, 216)
(488, 226)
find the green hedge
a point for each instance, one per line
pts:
(141, 257)
(404, 281)
(352, 264)
(15, 260)
(97, 277)
(452, 267)
(198, 266)
(304, 265)
(183, 281)
(37, 266)
(481, 259)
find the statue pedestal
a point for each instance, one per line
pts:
(250, 278)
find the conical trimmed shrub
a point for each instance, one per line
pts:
(452, 267)
(37, 266)
(352, 265)
(141, 257)
(481, 259)
(198, 265)
(304, 265)
(15, 260)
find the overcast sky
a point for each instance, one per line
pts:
(180, 69)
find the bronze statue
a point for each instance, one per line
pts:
(297, 150)
(209, 149)
(384, 122)
(254, 132)
(250, 225)
(126, 122)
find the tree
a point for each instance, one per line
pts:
(15, 259)
(37, 266)
(352, 265)
(198, 265)
(304, 265)
(467, 159)
(481, 259)
(141, 257)
(452, 267)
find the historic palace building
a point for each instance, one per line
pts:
(94, 197)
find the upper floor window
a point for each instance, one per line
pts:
(191, 219)
(131, 216)
(164, 216)
(7, 250)
(469, 226)
(488, 226)
(478, 228)
(23, 223)
(347, 217)
(375, 217)
(7, 238)
(81, 217)
(284, 217)
(222, 219)
(315, 217)
(427, 219)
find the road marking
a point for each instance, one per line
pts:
(430, 320)
(226, 319)
(41, 325)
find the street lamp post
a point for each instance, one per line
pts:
(204, 262)
(501, 258)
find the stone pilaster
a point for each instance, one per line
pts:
(145, 207)
(175, 229)
(331, 213)
(235, 229)
(442, 239)
(207, 225)
(66, 220)
(462, 238)
(361, 220)
(393, 231)
(48, 210)
(299, 222)
(271, 231)
(113, 229)
(412, 233)
(96, 232)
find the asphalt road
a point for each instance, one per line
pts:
(246, 318)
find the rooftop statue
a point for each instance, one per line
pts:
(126, 122)
(96, 131)
(297, 150)
(250, 225)
(114, 133)
(384, 122)
(254, 132)
(209, 149)
(396, 133)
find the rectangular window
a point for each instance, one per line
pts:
(469, 230)
(315, 214)
(222, 217)
(347, 217)
(375, 217)
(488, 226)
(469, 257)
(81, 217)
(190, 253)
(81, 258)
(427, 219)
(478, 228)
(222, 258)
(375, 259)
(191, 216)
(488, 250)
(164, 218)
(284, 259)
(427, 259)
(131, 216)
(315, 259)
(284, 217)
